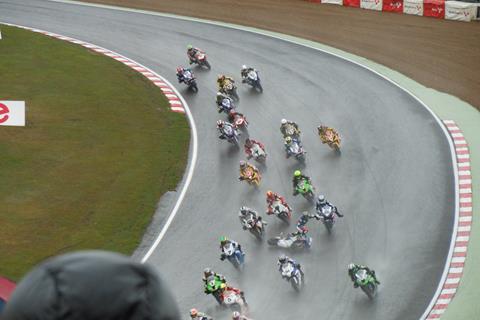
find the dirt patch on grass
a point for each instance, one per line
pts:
(88, 169)
(441, 54)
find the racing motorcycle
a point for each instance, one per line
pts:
(293, 275)
(282, 211)
(254, 80)
(296, 150)
(291, 131)
(252, 177)
(231, 134)
(255, 227)
(215, 287)
(189, 79)
(328, 217)
(258, 153)
(201, 60)
(226, 106)
(290, 241)
(366, 282)
(234, 255)
(330, 137)
(231, 89)
(234, 299)
(239, 122)
(305, 188)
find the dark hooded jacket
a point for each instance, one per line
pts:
(91, 285)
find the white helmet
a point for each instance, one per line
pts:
(321, 198)
(236, 315)
(351, 266)
(244, 67)
(284, 121)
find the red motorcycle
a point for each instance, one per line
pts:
(238, 120)
(201, 60)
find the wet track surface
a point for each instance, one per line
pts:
(393, 180)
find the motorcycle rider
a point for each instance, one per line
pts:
(207, 272)
(220, 99)
(354, 268)
(192, 52)
(222, 80)
(285, 124)
(249, 218)
(215, 286)
(289, 141)
(244, 72)
(224, 242)
(297, 178)
(196, 315)
(245, 167)
(304, 220)
(224, 128)
(182, 75)
(273, 197)
(284, 260)
(322, 203)
(237, 316)
(249, 144)
(322, 130)
(232, 114)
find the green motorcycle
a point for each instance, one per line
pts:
(367, 282)
(305, 188)
(215, 286)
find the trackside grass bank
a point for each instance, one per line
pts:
(99, 149)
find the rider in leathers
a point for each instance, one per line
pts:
(245, 167)
(284, 260)
(320, 204)
(245, 71)
(192, 52)
(181, 74)
(302, 222)
(220, 98)
(354, 268)
(233, 114)
(197, 315)
(222, 80)
(224, 241)
(249, 218)
(273, 197)
(222, 127)
(288, 144)
(249, 144)
(297, 178)
(285, 124)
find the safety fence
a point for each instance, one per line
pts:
(440, 9)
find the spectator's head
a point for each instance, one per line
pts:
(91, 285)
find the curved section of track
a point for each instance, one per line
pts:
(393, 181)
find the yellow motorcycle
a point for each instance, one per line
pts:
(329, 136)
(251, 175)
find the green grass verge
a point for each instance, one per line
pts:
(99, 149)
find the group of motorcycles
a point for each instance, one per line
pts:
(227, 97)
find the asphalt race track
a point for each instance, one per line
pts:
(393, 181)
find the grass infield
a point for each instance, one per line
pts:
(99, 149)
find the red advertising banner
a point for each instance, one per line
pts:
(434, 8)
(351, 3)
(393, 6)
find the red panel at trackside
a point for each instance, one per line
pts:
(393, 6)
(6, 288)
(434, 8)
(351, 3)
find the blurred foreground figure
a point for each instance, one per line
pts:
(91, 285)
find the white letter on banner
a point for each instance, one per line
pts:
(12, 113)
(371, 4)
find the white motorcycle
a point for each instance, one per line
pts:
(294, 276)
(254, 80)
(280, 210)
(234, 299)
(231, 134)
(258, 153)
(296, 150)
(291, 242)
